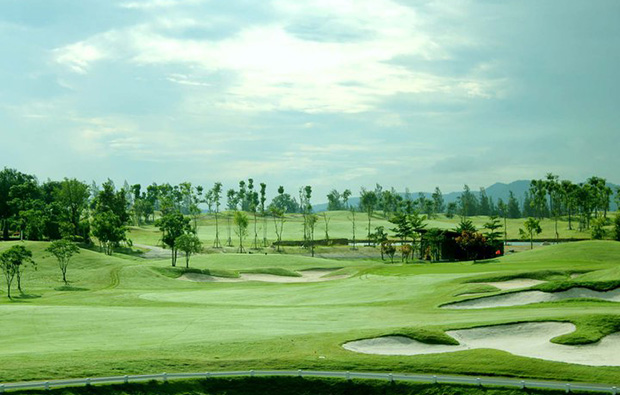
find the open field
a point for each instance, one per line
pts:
(127, 315)
(340, 226)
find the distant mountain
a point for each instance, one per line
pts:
(497, 191)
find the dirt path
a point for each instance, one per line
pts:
(153, 252)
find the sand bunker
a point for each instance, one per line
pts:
(528, 340)
(514, 283)
(307, 276)
(529, 297)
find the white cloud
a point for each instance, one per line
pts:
(276, 70)
(78, 56)
(155, 4)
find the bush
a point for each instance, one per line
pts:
(617, 227)
(598, 232)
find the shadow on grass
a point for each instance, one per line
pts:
(494, 260)
(124, 250)
(70, 288)
(25, 296)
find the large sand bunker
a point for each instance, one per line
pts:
(528, 340)
(529, 297)
(307, 276)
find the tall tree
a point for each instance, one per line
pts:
(190, 244)
(512, 207)
(173, 225)
(217, 196)
(110, 217)
(493, 235)
(451, 209)
(195, 199)
(12, 262)
(232, 199)
(538, 195)
(552, 185)
(326, 220)
(312, 220)
(353, 225)
(532, 227)
(616, 229)
(333, 201)
(568, 192)
(63, 250)
(241, 228)
(345, 198)
(438, 201)
(73, 196)
(9, 178)
(109, 230)
(601, 194)
(254, 206)
(305, 194)
(24, 198)
(485, 206)
(586, 202)
(278, 221)
(263, 199)
(502, 210)
(368, 202)
(468, 203)
(9, 271)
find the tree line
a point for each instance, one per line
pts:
(72, 209)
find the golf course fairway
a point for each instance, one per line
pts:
(122, 314)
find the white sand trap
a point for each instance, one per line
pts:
(529, 297)
(528, 340)
(307, 276)
(398, 345)
(514, 283)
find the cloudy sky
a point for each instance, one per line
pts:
(331, 93)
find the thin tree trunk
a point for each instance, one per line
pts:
(264, 230)
(216, 243)
(368, 227)
(229, 241)
(255, 233)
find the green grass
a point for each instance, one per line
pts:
(134, 316)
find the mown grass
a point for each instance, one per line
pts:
(135, 317)
(289, 385)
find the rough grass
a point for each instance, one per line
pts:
(590, 329)
(289, 385)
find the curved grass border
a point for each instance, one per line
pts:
(588, 330)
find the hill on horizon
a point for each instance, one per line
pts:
(497, 191)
